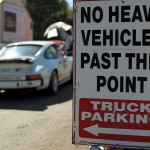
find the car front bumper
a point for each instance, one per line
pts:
(20, 84)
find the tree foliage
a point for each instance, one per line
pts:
(46, 12)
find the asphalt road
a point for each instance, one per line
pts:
(33, 121)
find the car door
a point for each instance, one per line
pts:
(54, 62)
(68, 64)
(63, 62)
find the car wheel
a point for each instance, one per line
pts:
(53, 85)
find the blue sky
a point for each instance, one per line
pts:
(70, 2)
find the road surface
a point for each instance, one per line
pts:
(33, 121)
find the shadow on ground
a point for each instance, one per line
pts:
(35, 101)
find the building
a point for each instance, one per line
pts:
(15, 22)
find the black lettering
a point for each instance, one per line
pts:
(95, 61)
(85, 59)
(146, 13)
(141, 61)
(131, 84)
(115, 83)
(135, 42)
(114, 14)
(107, 63)
(130, 56)
(100, 12)
(142, 80)
(101, 82)
(108, 37)
(121, 84)
(125, 14)
(85, 37)
(116, 37)
(85, 14)
(127, 42)
(137, 14)
(146, 37)
(96, 37)
(116, 56)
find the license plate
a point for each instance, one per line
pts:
(5, 78)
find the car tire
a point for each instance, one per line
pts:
(53, 84)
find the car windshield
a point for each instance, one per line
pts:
(20, 50)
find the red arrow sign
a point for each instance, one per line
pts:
(114, 119)
(95, 130)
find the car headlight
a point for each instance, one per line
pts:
(34, 77)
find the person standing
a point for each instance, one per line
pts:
(69, 42)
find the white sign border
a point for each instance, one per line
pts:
(88, 141)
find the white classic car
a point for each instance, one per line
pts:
(34, 65)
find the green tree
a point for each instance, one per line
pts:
(46, 12)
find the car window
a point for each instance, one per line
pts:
(49, 53)
(20, 50)
(52, 52)
(1, 46)
(58, 51)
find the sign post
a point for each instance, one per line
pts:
(111, 105)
